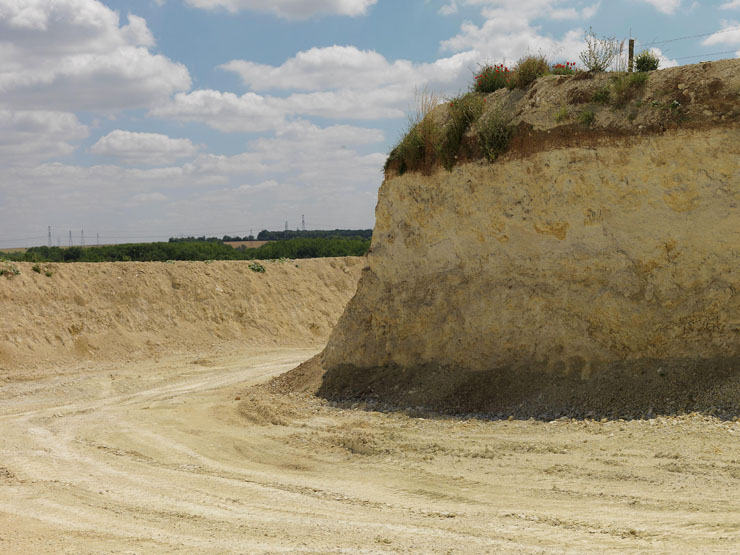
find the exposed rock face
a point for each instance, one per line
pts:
(578, 280)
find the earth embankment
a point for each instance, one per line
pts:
(66, 313)
(561, 279)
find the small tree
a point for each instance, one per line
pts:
(599, 53)
(646, 61)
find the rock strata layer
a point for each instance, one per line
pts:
(573, 280)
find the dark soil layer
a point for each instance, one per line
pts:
(632, 389)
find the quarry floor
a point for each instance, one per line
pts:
(181, 456)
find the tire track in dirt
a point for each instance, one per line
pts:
(161, 457)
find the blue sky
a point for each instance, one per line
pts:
(146, 119)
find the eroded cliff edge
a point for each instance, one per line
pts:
(597, 279)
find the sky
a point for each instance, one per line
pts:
(148, 119)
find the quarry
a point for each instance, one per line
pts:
(540, 354)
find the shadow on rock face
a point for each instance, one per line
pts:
(634, 389)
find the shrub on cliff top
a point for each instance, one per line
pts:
(463, 112)
(494, 134)
(646, 61)
(529, 69)
(599, 52)
(417, 147)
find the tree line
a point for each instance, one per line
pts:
(196, 250)
(265, 235)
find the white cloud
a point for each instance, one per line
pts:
(729, 34)
(268, 185)
(303, 169)
(564, 13)
(449, 9)
(150, 149)
(343, 82)
(730, 5)
(146, 198)
(665, 6)
(32, 136)
(74, 55)
(664, 61)
(290, 9)
(223, 110)
(509, 30)
(590, 11)
(497, 44)
(324, 68)
(382, 102)
(347, 68)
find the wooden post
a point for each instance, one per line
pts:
(632, 55)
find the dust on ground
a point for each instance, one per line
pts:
(185, 455)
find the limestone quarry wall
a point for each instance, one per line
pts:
(81, 312)
(598, 279)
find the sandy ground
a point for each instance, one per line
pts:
(153, 457)
(165, 438)
(127, 311)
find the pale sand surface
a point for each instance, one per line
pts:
(137, 443)
(160, 457)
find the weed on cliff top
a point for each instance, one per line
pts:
(529, 69)
(463, 111)
(8, 269)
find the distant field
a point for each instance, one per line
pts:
(19, 249)
(247, 244)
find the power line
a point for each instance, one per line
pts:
(154, 236)
(704, 55)
(7, 239)
(692, 37)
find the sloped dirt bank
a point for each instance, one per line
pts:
(133, 310)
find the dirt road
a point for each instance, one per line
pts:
(162, 457)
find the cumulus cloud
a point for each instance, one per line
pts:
(729, 34)
(33, 136)
(665, 6)
(337, 80)
(324, 68)
(75, 55)
(146, 198)
(449, 9)
(150, 149)
(290, 9)
(730, 5)
(383, 102)
(224, 111)
(303, 169)
(664, 60)
(509, 30)
(590, 11)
